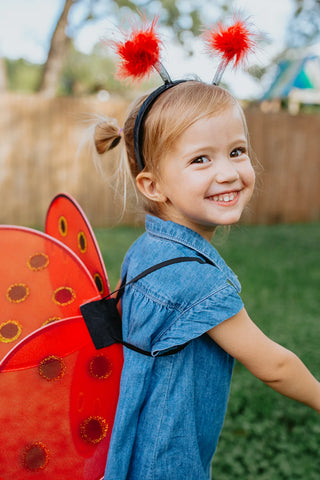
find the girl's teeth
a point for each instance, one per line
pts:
(224, 198)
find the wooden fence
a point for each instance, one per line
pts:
(38, 159)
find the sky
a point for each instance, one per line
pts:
(27, 25)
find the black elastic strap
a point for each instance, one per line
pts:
(149, 354)
(103, 319)
(151, 270)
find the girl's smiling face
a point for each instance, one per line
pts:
(207, 178)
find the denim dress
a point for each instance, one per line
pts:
(171, 408)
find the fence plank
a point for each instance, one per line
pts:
(289, 187)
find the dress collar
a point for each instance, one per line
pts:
(185, 236)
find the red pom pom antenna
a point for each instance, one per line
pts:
(232, 44)
(139, 53)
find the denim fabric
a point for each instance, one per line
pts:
(171, 409)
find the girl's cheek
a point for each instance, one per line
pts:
(253, 174)
(250, 174)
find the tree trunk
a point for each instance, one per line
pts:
(3, 75)
(58, 50)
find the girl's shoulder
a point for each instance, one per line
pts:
(187, 281)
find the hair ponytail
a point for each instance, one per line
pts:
(107, 136)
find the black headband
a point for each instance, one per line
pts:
(138, 129)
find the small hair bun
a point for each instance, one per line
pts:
(107, 135)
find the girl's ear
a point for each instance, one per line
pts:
(149, 187)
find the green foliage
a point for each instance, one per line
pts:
(87, 74)
(81, 75)
(179, 15)
(265, 436)
(182, 17)
(23, 76)
(304, 26)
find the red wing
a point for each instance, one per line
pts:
(41, 281)
(58, 394)
(59, 339)
(57, 405)
(67, 222)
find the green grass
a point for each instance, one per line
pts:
(113, 243)
(265, 436)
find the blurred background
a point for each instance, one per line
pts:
(56, 73)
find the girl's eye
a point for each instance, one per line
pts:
(201, 159)
(237, 152)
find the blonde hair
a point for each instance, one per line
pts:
(171, 114)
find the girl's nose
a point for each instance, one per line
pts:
(226, 171)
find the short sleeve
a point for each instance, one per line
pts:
(199, 318)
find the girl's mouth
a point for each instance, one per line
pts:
(225, 199)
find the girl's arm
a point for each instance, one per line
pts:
(276, 366)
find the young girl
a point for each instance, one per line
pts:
(189, 158)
